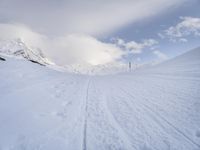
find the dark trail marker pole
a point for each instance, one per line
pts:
(129, 65)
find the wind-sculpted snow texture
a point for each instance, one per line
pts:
(151, 109)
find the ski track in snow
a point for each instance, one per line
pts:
(43, 109)
(166, 121)
(85, 121)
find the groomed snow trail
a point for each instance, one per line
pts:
(156, 116)
(153, 109)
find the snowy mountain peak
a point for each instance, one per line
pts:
(18, 48)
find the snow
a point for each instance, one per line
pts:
(19, 49)
(156, 108)
(87, 69)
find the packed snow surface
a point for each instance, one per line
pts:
(150, 109)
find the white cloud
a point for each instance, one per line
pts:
(67, 30)
(160, 55)
(93, 17)
(162, 36)
(135, 47)
(183, 40)
(69, 49)
(149, 42)
(14, 31)
(138, 59)
(85, 49)
(188, 26)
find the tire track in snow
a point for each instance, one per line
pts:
(86, 114)
(166, 121)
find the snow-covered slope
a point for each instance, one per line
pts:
(19, 49)
(87, 69)
(186, 64)
(151, 109)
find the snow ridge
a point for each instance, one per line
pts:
(19, 49)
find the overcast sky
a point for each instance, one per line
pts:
(103, 31)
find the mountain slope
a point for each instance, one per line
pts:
(155, 108)
(187, 64)
(19, 49)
